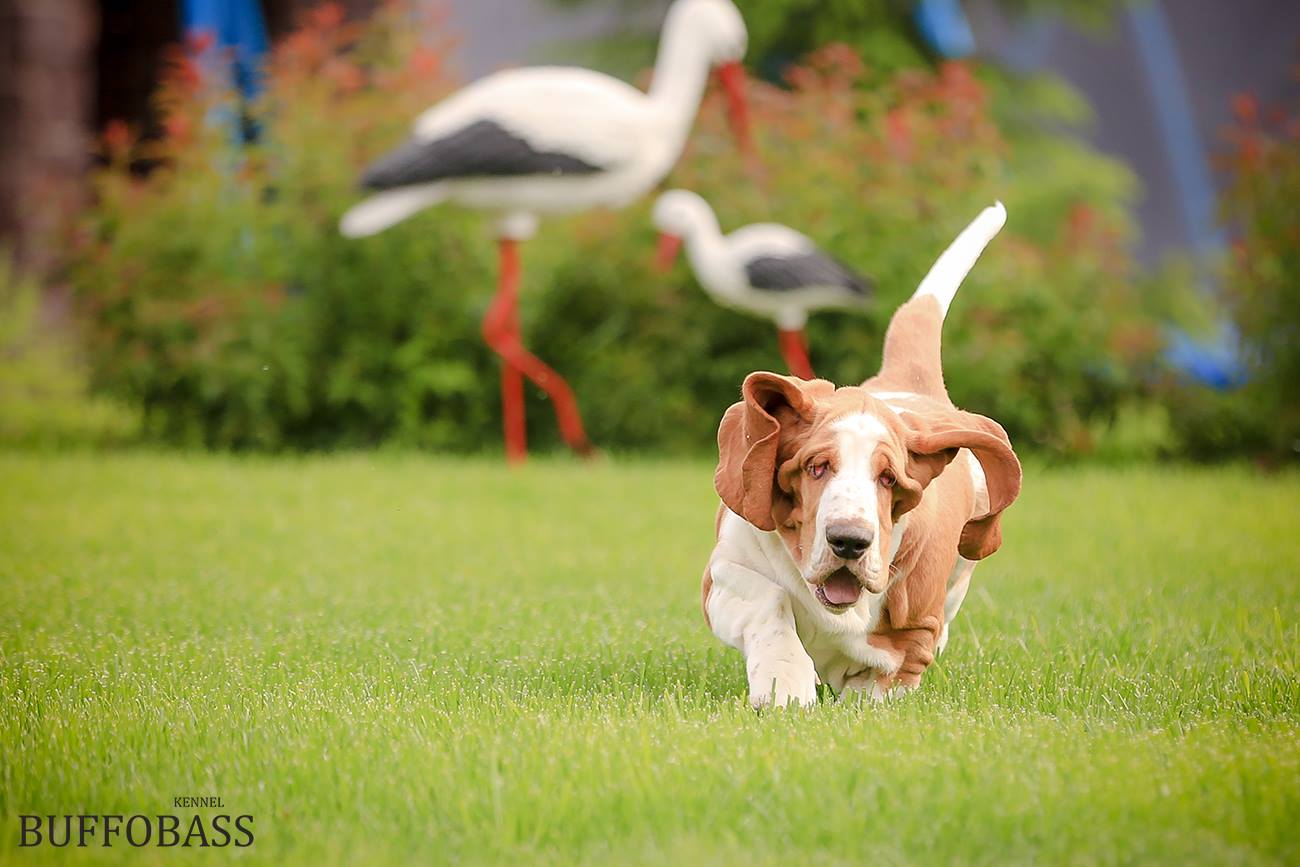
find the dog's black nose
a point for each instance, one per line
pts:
(849, 543)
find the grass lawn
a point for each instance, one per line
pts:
(400, 658)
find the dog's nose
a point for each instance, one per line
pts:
(849, 543)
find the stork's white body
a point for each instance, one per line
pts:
(719, 261)
(719, 264)
(601, 120)
(632, 138)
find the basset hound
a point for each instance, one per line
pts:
(852, 518)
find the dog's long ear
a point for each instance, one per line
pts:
(774, 408)
(934, 440)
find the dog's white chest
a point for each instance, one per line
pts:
(837, 643)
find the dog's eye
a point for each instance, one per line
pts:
(887, 479)
(818, 470)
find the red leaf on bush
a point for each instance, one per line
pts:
(327, 16)
(424, 62)
(1246, 107)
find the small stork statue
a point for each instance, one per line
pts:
(764, 268)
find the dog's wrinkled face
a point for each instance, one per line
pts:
(841, 506)
(835, 500)
(842, 485)
(835, 472)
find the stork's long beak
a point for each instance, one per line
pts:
(733, 83)
(666, 255)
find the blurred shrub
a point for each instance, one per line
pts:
(227, 306)
(223, 300)
(882, 30)
(1261, 205)
(44, 399)
(1259, 299)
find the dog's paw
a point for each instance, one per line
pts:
(782, 685)
(870, 685)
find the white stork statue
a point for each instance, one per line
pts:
(764, 268)
(544, 140)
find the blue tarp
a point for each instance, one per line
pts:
(943, 25)
(236, 26)
(1216, 363)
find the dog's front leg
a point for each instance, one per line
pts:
(754, 615)
(915, 648)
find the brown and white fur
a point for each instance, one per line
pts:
(853, 517)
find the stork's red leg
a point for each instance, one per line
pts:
(502, 320)
(795, 351)
(514, 414)
(501, 331)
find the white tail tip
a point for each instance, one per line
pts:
(386, 209)
(955, 263)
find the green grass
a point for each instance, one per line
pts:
(412, 659)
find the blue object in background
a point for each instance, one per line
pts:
(944, 27)
(236, 26)
(1215, 363)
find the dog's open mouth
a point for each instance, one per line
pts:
(840, 589)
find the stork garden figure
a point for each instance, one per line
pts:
(545, 140)
(765, 268)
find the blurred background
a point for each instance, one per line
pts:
(172, 173)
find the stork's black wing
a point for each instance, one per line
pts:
(804, 271)
(483, 149)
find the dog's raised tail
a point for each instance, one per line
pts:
(954, 264)
(912, 359)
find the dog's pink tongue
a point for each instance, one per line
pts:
(842, 588)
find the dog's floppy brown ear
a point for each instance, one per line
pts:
(750, 436)
(934, 441)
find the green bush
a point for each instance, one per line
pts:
(225, 303)
(44, 399)
(226, 306)
(1262, 284)
(882, 30)
(1258, 295)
